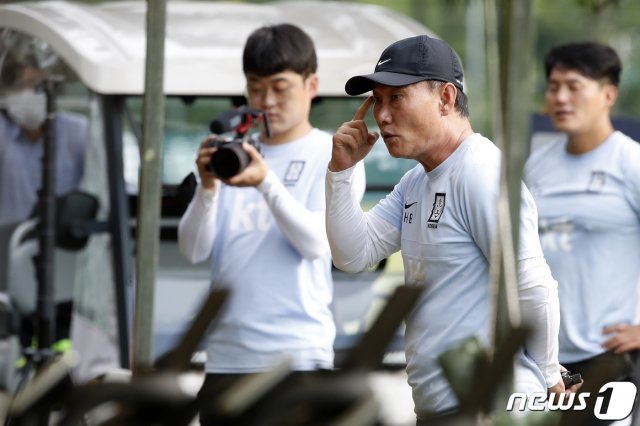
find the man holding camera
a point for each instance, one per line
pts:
(264, 227)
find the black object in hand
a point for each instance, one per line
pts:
(570, 378)
(230, 158)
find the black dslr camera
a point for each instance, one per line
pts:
(230, 159)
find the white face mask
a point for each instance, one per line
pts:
(27, 108)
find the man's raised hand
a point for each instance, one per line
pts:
(352, 141)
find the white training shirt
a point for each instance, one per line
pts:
(443, 222)
(268, 245)
(589, 223)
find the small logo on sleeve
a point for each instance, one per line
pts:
(437, 210)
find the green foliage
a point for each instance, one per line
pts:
(462, 363)
(608, 21)
(597, 6)
(556, 21)
(614, 22)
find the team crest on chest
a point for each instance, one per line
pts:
(596, 182)
(294, 171)
(437, 210)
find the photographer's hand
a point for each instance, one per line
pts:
(254, 173)
(352, 141)
(208, 180)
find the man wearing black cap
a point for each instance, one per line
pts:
(442, 216)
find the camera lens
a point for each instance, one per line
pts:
(229, 160)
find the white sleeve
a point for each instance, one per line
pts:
(197, 229)
(541, 310)
(357, 239)
(303, 228)
(359, 181)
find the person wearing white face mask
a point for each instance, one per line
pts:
(22, 114)
(27, 108)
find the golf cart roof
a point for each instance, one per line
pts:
(105, 43)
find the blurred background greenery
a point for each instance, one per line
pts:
(460, 23)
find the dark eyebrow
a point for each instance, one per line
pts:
(567, 81)
(254, 79)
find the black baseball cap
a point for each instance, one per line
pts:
(409, 61)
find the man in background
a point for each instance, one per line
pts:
(23, 112)
(22, 115)
(586, 185)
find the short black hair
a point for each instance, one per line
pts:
(277, 48)
(593, 60)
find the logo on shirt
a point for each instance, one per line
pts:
(294, 171)
(436, 210)
(556, 235)
(408, 217)
(406, 206)
(597, 181)
(249, 215)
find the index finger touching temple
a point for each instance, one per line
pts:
(361, 113)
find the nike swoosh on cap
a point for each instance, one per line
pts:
(382, 62)
(406, 206)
